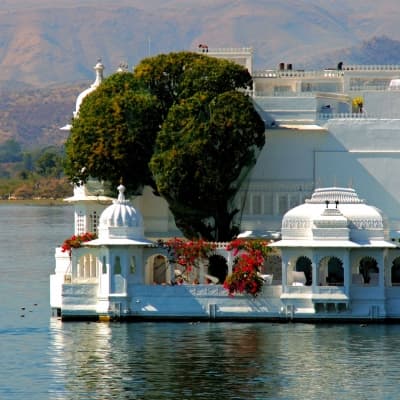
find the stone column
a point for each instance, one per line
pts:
(315, 273)
(285, 268)
(347, 275)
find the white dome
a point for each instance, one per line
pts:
(121, 220)
(334, 214)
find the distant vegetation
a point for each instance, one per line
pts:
(32, 174)
(31, 141)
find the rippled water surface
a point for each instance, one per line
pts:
(43, 358)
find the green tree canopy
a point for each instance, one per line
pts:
(113, 137)
(204, 149)
(182, 114)
(175, 76)
(49, 163)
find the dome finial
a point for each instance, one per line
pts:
(121, 197)
(99, 68)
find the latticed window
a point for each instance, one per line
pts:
(94, 222)
(80, 223)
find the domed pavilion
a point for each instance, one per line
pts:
(335, 255)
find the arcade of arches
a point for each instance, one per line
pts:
(330, 270)
(157, 270)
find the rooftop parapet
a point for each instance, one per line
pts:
(203, 48)
(373, 67)
(298, 74)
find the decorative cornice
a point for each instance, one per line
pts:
(333, 195)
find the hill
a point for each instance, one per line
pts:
(34, 116)
(378, 50)
(43, 41)
(48, 49)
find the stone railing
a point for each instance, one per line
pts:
(330, 290)
(225, 50)
(373, 67)
(287, 73)
(231, 50)
(326, 116)
(368, 87)
(284, 94)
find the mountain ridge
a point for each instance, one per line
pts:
(43, 42)
(48, 49)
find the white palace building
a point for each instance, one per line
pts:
(325, 188)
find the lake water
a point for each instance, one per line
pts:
(43, 358)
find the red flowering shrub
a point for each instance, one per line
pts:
(249, 246)
(250, 256)
(186, 252)
(76, 241)
(245, 276)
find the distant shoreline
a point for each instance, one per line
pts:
(35, 202)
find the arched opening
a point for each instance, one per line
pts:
(331, 272)
(273, 266)
(369, 270)
(118, 277)
(117, 265)
(304, 264)
(396, 272)
(218, 267)
(335, 272)
(159, 269)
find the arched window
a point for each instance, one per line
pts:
(369, 270)
(335, 272)
(330, 271)
(396, 272)
(273, 265)
(117, 266)
(218, 267)
(303, 264)
(159, 269)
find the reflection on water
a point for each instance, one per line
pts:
(223, 360)
(43, 358)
